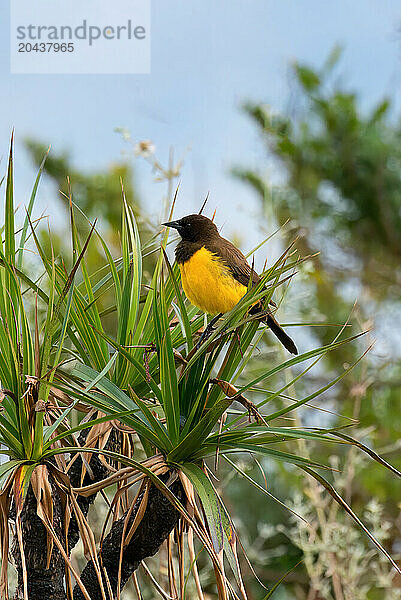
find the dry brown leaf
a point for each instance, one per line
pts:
(232, 392)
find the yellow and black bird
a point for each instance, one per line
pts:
(214, 273)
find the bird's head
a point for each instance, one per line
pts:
(194, 228)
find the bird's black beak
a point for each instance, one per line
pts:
(173, 224)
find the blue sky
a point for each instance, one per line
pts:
(208, 57)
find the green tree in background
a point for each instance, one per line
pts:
(98, 194)
(342, 193)
(343, 174)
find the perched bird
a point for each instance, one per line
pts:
(215, 274)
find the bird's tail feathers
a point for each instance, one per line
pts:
(280, 334)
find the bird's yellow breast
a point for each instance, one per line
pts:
(208, 284)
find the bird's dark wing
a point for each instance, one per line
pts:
(241, 271)
(234, 259)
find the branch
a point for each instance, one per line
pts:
(159, 519)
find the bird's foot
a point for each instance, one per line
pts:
(208, 331)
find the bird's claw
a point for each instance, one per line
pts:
(207, 331)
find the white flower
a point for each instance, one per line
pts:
(145, 148)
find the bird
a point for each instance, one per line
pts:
(215, 274)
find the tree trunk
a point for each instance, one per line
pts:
(99, 472)
(159, 519)
(48, 584)
(43, 583)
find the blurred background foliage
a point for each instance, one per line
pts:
(340, 186)
(96, 193)
(334, 174)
